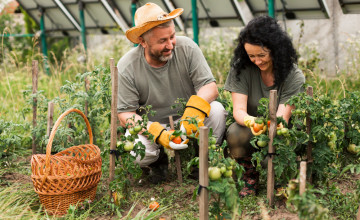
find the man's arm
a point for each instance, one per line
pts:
(208, 92)
(125, 115)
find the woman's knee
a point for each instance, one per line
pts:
(238, 140)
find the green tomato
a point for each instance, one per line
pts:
(278, 132)
(223, 169)
(229, 167)
(128, 146)
(232, 162)
(228, 173)
(284, 131)
(212, 140)
(214, 173)
(261, 143)
(213, 146)
(118, 143)
(298, 111)
(132, 131)
(137, 128)
(352, 148)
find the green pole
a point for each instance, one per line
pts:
(271, 8)
(195, 21)
(43, 42)
(133, 10)
(17, 35)
(82, 23)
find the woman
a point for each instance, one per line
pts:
(264, 59)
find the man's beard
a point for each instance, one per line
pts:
(160, 57)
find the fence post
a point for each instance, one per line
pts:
(50, 118)
(113, 124)
(309, 92)
(302, 177)
(177, 155)
(203, 173)
(272, 133)
(35, 71)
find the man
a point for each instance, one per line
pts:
(160, 70)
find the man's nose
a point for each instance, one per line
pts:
(169, 45)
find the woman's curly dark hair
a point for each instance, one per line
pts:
(264, 31)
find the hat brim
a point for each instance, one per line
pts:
(134, 33)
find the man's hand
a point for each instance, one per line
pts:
(197, 108)
(164, 137)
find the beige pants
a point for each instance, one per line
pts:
(216, 120)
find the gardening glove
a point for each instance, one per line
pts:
(249, 121)
(197, 108)
(164, 137)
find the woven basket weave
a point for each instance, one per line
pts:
(68, 177)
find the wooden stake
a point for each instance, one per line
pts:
(203, 173)
(177, 155)
(50, 119)
(272, 133)
(35, 71)
(309, 92)
(302, 177)
(114, 117)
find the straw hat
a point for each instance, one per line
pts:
(147, 17)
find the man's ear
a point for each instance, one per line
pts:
(142, 42)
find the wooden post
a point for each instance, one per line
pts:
(177, 155)
(87, 85)
(272, 133)
(35, 71)
(50, 119)
(203, 173)
(302, 177)
(114, 118)
(309, 92)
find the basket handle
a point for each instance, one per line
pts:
(53, 131)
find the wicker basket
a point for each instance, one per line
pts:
(68, 177)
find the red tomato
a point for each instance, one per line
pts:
(154, 205)
(177, 140)
(258, 127)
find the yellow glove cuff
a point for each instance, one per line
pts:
(199, 104)
(161, 135)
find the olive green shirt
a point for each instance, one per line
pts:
(249, 83)
(141, 84)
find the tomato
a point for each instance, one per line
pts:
(269, 124)
(229, 167)
(261, 143)
(213, 146)
(177, 140)
(154, 206)
(137, 128)
(132, 131)
(214, 173)
(257, 127)
(228, 173)
(212, 140)
(223, 169)
(352, 148)
(284, 131)
(278, 132)
(128, 146)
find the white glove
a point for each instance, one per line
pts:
(183, 144)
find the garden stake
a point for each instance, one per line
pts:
(35, 71)
(302, 177)
(177, 155)
(50, 118)
(309, 92)
(114, 118)
(203, 173)
(271, 151)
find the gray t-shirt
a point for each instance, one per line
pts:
(249, 83)
(141, 84)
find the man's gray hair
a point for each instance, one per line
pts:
(163, 25)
